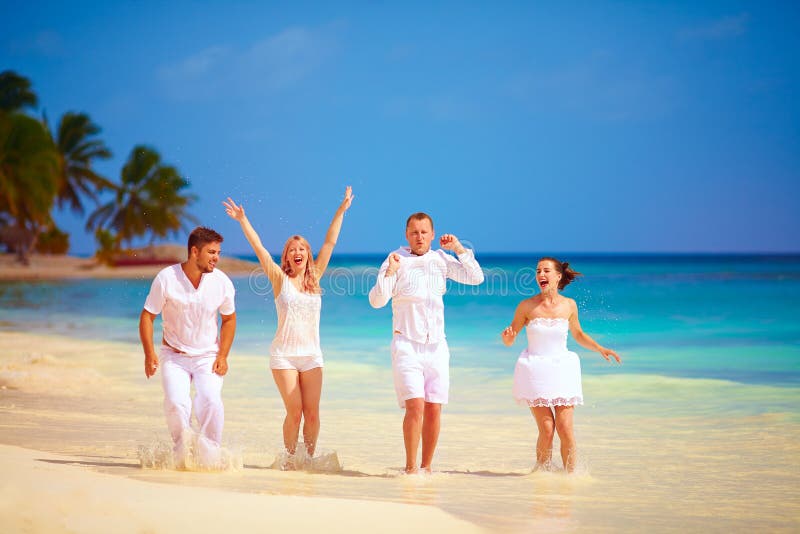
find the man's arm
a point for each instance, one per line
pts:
(146, 320)
(226, 333)
(382, 292)
(466, 270)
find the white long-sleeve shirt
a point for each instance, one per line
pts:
(417, 287)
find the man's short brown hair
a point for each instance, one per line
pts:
(202, 236)
(418, 217)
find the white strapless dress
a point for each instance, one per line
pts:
(547, 374)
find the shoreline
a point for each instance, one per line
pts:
(44, 267)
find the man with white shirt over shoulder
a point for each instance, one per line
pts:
(415, 279)
(190, 297)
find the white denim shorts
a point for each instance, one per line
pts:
(298, 363)
(420, 370)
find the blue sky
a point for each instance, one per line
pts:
(520, 126)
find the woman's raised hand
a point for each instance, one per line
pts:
(348, 198)
(234, 212)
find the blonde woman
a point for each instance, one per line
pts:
(295, 354)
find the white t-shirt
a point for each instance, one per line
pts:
(189, 315)
(417, 287)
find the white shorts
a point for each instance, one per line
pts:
(298, 363)
(420, 370)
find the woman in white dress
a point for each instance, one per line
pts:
(547, 377)
(295, 354)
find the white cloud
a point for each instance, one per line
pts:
(285, 58)
(202, 63)
(277, 62)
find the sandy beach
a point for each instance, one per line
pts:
(657, 453)
(48, 404)
(43, 492)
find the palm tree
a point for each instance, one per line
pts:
(77, 149)
(149, 200)
(28, 179)
(15, 92)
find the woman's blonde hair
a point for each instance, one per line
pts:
(310, 281)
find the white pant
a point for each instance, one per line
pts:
(178, 371)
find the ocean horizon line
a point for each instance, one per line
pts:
(611, 255)
(582, 255)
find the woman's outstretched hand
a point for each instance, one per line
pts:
(348, 198)
(608, 353)
(234, 212)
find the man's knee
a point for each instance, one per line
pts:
(176, 403)
(432, 410)
(208, 399)
(415, 408)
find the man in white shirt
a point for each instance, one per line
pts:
(194, 348)
(415, 278)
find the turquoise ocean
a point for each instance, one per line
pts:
(693, 316)
(698, 429)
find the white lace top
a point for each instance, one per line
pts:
(298, 322)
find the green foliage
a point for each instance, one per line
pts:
(106, 246)
(149, 200)
(53, 241)
(15, 92)
(28, 170)
(39, 170)
(78, 147)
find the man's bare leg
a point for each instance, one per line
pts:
(412, 430)
(431, 424)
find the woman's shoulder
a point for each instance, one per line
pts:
(530, 303)
(570, 302)
(570, 305)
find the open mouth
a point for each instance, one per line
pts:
(543, 283)
(298, 260)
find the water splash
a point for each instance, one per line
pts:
(194, 453)
(321, 462)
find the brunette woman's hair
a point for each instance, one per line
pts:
(568, 274)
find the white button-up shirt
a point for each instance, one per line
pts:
(417, 287)
(190, 315)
